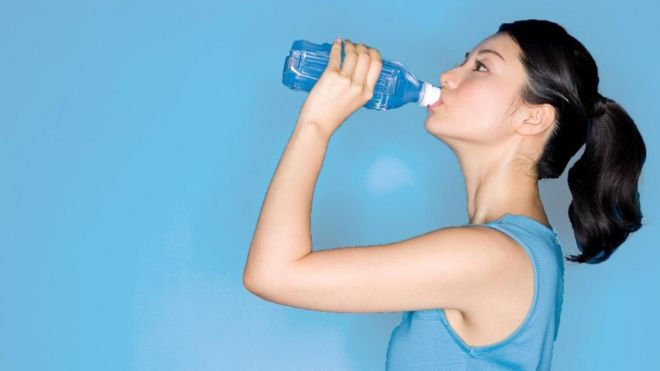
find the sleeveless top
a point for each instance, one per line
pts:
(424, 340)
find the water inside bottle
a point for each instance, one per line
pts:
(395, 86)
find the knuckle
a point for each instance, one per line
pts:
(338, 78)
(375, 55)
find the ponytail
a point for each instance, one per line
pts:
(604, 183)
(561, 72)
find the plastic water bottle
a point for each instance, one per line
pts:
(395, 87)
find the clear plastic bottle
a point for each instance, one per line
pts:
(395, 87)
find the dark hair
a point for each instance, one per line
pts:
(604, 181)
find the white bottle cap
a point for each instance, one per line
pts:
(430, 94)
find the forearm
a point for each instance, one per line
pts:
(283, 232)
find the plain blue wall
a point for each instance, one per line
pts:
(137, 141)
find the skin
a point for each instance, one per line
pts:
(496, 137)
(479, 276)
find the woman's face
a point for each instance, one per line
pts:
(480, 95)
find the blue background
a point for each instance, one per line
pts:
(137, 141)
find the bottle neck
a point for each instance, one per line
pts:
(428, 94)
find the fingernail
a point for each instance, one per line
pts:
(338, 39)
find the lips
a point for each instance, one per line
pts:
(437, 103)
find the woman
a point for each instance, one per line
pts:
(486, 295)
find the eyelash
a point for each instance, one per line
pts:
(478, 64)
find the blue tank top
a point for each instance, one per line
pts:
(424, 340)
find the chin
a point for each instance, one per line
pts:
(433, 126)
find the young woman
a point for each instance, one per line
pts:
(486, 295)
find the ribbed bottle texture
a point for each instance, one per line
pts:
(395, 87)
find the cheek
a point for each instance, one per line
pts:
(480, 103)
(482, 106)
(473, 112)
(470, 107)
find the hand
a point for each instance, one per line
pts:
(337, 94)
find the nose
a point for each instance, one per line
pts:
(447, 80)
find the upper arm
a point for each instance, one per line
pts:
(447, 268)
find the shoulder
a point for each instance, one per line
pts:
(491, 253)
(453, 267)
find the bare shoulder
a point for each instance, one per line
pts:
(504, 305)
(453, 267)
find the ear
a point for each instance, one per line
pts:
(537, 119)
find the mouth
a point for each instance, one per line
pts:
(435, 105)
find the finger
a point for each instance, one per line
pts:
(375, 68)
(362, 67)
(350, 58)
(335, 56)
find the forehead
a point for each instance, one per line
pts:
(501, 43)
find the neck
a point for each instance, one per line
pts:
(499, 183)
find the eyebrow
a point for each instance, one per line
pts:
(482, 51)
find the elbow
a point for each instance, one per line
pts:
(249, 281)
(262, 285)
(254, 283)
(263, 279)
(250, 275)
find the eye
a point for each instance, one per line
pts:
(479, 64)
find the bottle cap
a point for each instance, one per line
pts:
(429, 95)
